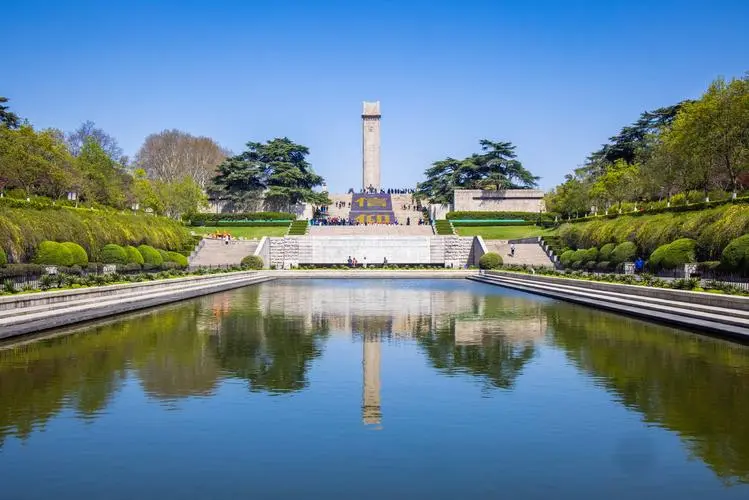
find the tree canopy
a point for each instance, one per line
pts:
(690, 151)
(495, 168)
(276, 171)
(8, 118)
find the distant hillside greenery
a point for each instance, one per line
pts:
(23, 229)
(712, 229)
(692, 151)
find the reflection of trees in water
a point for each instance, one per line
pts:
(495, 359)
(272, 352)
(695, 386)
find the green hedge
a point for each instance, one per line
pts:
(22, 229)
(133, 255)
(490, 260)
(257, 223)
(673, 255)
(712, 229)
(80, 257)
(177, 258)
(3, 258)
(53, 253)
(527, 216)
(458, 223)
(604, 254)
(150, 255)
(205, 219)
(735, 256)
(252, 262)
(624, 252)
(113, 254)
(658, 207)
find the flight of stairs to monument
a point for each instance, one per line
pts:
(212, 252)
(530, 254)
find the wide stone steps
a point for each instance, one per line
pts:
(218, 253)
(529, 254)
(727, 321)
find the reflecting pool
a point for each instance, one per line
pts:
(374, 389)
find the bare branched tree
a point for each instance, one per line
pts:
(172, 155)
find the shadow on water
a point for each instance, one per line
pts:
(269, 336)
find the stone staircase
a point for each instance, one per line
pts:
(211, 252)
(530, 254)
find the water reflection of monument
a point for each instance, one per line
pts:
(373, 314)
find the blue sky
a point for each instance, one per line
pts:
(555, 78)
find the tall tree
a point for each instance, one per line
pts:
(88, 131)
(8, 118)
(171, 155)
(276, 171)
(105, 181)
(496, 167)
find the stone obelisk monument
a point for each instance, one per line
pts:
(371, 145)
(371, 411)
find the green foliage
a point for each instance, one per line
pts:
(496, 168)
(526, 216)
(113, 254)
(150, 255)
(736, 255)
(679, 252)
(3, 258)
(22, 229)
(276, 172)
(624, 252)
(54, 254)
(490, 260)
(133, 255)
(206, 219)
(177, 258)
(713, 229)
(567, 258)
(443, 227)
(80, 257)
(298, 227)
(252, 262)
(605, 253)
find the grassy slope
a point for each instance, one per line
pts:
(503, 232)
(244, 232)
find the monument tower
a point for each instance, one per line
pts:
(371, 145)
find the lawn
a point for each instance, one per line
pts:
(504, 232)
(244, 232)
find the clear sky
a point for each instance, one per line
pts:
(554, 77)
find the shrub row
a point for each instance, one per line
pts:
(712, 229)
(527, 216)
(245, 223)
(206, 219)
(494, 223)
(70, 254)
(23, 229)
(610, 254)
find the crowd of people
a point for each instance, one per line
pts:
(374, 190)
(342, 221)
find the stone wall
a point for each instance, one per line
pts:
(453, 251)
(508, 200)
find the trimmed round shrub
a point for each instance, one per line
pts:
(113, 254)
(624, 252)
(591, 254)
(579, 256)
(736, 255)
(490, 260)
(80, 257)
(655, 261)
(252, 262)
(604, 265)
(3, 258)
(591, 265)
(52, 253)
(604, 254)
(679, 252)
(577, 264)
(164, 255)
(567, 258)
(133, 255)
(178, 259)
(150, 255)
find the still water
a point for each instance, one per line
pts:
(374, 389)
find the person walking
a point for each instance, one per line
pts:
(512, 250)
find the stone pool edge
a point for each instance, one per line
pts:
(728, 319)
